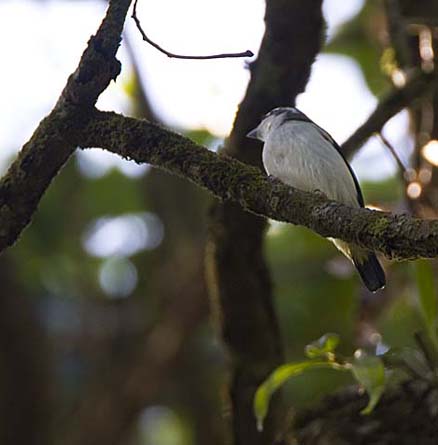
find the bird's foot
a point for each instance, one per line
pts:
(273, 179)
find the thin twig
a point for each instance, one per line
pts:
(247, 53)
(388, 144)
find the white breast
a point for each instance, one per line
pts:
(300, 156)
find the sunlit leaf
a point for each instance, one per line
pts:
(323, 346)
(427, 296)
(369, 371)
(277, 378)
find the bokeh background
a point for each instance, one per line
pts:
(104, 302)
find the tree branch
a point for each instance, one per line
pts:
(55, 138)
(389, 106)
(405, 414)
(396, 236)
(71, 121)
(239, 277)
(246, 53)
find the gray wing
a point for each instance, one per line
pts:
(327, 137)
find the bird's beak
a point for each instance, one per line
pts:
(253, 134)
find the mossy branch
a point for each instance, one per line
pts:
(55, 138)
(74, 121)
(396, 236)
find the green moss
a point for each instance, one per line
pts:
(379, 226)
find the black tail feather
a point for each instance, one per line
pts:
(371, 272)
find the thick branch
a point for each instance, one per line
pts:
(55, 138)
(293, 38)
(397, 236)
(388, 107)
(239, 278)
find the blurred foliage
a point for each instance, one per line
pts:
(317, 289)
(358, 39)
(384, 193)
(427, 297)
(54, 265)
(332, 303)
(297, 256)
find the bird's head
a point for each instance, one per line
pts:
(274, 119)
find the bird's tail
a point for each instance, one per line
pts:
(366, 264)
(369, 270)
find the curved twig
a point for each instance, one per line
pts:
(246, 53)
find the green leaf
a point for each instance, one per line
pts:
(427, 296)
(323, 346)
(369, 371)
(277, 378)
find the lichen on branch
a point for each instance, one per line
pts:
(396, 236)
(74, 121)
(54, 141)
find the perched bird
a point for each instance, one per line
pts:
(303, 155)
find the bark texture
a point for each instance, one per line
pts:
(396, 236)
(241, 282)
(239, 279)
(72, 119)
(405, 415)
(55, 138)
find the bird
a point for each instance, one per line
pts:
(303, 155)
